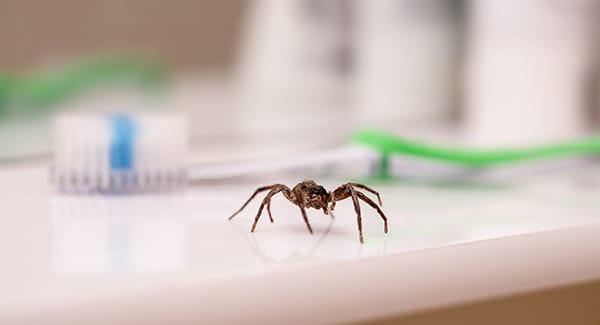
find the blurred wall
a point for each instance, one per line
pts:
(198, 34)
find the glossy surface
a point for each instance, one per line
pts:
(60, 250)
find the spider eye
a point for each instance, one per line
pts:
(319, 190)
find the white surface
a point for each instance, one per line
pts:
(78, 253)
(360, 289)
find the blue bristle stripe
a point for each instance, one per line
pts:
(123, 130)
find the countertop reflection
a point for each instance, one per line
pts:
(63, 249)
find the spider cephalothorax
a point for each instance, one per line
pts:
(314, 196)
(308, 194)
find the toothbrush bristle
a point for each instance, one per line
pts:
(119, 153)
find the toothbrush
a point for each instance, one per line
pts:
(387, 145)
(129, 153)
(119, 153)
(45, 88)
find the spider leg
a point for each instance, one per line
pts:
(269, 211)
(331, 206)
(300, 202)
(262, 205)
(258, 190)
(267, 202)
(331, 213)
(357, 209)
(376, 207)
(366, 188)
(280, 188)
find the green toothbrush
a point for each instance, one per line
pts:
(50, 87)
(388, 145)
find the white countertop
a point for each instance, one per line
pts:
(147, 258)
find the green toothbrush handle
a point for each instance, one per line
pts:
(46, 88)
(389, 144)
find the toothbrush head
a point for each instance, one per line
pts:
(119, 153)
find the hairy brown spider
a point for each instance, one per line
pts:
(308, 194)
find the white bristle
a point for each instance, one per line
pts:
(125, 153)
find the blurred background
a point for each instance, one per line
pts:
(304, 72)
(197, 35)
(448, 91)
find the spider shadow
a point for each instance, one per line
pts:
(269, 261)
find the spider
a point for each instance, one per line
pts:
(308, 194)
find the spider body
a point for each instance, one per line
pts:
(308, 194)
